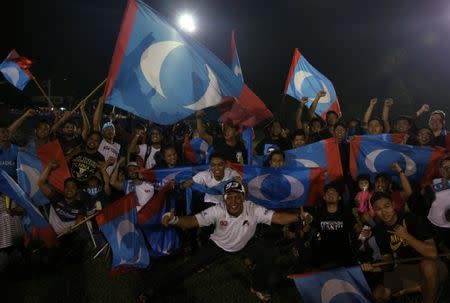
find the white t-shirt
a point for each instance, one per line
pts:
(151, 157)
(441, 204)
(144, 192)
(109, 150)
(206, 178)
(232, 233)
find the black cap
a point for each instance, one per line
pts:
(234, 186)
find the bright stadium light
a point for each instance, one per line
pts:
(187, 23)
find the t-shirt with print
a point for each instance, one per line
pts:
(144, 191)
(390, 243)
(84, 165)
(233, 233)
(206, 178)
(109, 150)
(8, 160)
(235, 154)
(150, 161)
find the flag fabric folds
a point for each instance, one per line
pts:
(15, 69)
(235, 63)
(341, 285)
(283, 187)
(40, 226)
(371, 156)
(197, 150)
(161, 74)
(118, 224)
(29, 168)
(305, 81)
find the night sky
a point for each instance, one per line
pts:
(382, 48)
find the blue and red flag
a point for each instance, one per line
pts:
(324, 154)
(15, 69)
(163, 75)
(196, 150)
(305, 81)
(283, 187)
(163, 240)
(372, 156)
(341, 285)
(235, 63)
(40, 226)
(29, 169)
(118, 223)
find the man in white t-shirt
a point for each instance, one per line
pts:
(235, 225)
(108, 148)
(147, 152)
(216, 174)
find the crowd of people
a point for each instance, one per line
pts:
(365, 221)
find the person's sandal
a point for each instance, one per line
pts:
(262, 296)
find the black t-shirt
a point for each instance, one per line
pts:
(231, 153)
(389, 243)
(84, 165)
(282, 143)
(334, 235)
(68, 145)
(90, 201)
(65, 211)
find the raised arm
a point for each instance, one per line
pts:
(115, 182)
(299, 113)
(385, 116)
(45, 188)
(105, 176)
(97, 120)
(406, 186)
(18, 123)
(61, 121)
(369, 112)
(86, 125)
(133, 148)
(312, 108)
(201, 128)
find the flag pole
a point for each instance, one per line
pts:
(401, 261)
(43, 92)
(88, 96)
(77, 225)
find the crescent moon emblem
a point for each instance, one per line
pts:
(12, 74)
(212, 95)
(153, 58)
(370, 159)
(125, 227)
(133, 261)
(299, 77)
(297, 189)
(411, 167)
(254, 187)
(237, 70)
(335, 287)
(307, 163)
(32, 175)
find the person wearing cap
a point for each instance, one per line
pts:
(437, 125)
(235, 224)
(404, 235)
(134, 183)
(108, 148)
(147, 152)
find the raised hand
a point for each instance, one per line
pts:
(389, 102)
(373, 101)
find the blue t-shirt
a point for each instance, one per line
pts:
(8, 160)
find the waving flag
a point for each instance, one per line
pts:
(324, 154)
(197, 150)
(305, 81)
(15, 69)
(341, 285)
(235, 64)
(118, 224)
(29, 169)
(283, 187)
(161, 74)
(372, 156)
(40, 226)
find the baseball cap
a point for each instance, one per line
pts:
(132, 163)
(108, 125)
(234, 186)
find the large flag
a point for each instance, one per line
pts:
(163, 75)
(15, 69)
(283, 187)
(341, 285)
(118, 224)
(371, 156)
(305, 81)
(40, 226)
(31, 164)
(163, 240)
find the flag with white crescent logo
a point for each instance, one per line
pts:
(305, 81)
(341, 285)
(369, 155)
(162, 74)
(118, 224)
(15, 69)
(283, 187)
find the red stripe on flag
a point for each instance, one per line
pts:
(121, 45)
(53, 151)
(233, 46)
(188, 150)
(333, 153)
(116, 209)
(295, 59)
(154, 205)
(354, 152)
(316, 183)
(333, 107)
(433, 166)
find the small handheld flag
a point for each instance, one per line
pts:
(15, 69)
